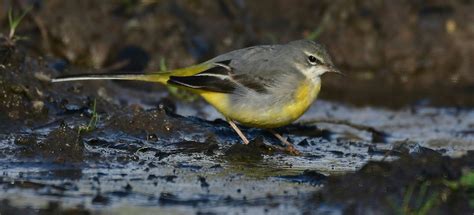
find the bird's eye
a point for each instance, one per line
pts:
(313, 60)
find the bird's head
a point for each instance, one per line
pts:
(311, 59)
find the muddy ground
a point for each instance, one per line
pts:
(395, 135)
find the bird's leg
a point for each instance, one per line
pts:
(238, 131)
(289, 147)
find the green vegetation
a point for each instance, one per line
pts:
(163, 67)
(423, 202)
(313, 35)
(14, 22)
(468, 181)
(95, 118)
(465, 182)
(417, 200)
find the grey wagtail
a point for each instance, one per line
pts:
(266, 86)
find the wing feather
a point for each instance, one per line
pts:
(220, 78)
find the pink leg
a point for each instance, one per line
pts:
(238, 131)
(289, 147)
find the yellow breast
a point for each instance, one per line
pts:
(304, 97)
(262, 116)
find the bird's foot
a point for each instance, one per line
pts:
(290, 148)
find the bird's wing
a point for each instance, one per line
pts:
(251, 68)
(216, 79)
(222, 78)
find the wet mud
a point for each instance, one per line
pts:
(424, 182)
(388, 142)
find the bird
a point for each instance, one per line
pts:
(263, 86)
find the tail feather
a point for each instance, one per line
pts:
(160, 77)
(151, 77)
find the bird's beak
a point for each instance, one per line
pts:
(335, 70)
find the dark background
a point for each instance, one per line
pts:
(395, 53)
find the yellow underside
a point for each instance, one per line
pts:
(266, 117)
(261, 117)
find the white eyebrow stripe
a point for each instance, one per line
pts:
(309, 53)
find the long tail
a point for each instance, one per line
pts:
(151, 77)
(160, 77)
